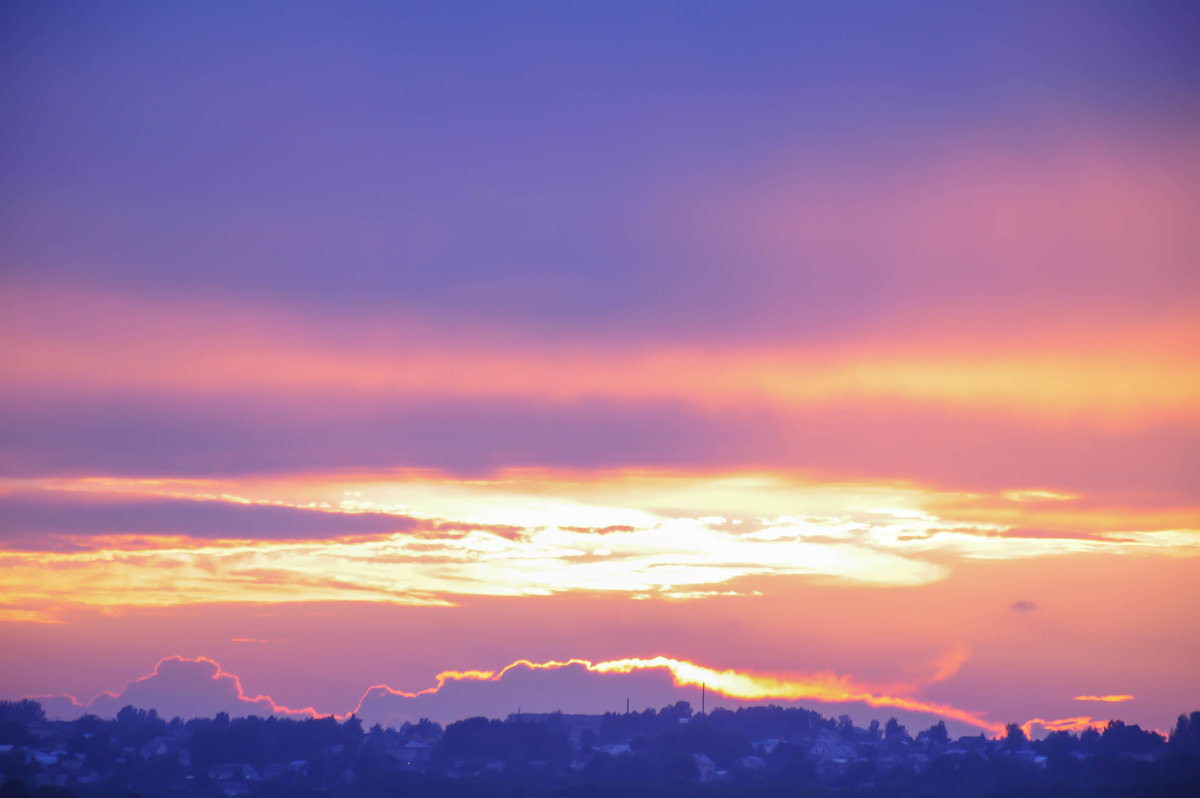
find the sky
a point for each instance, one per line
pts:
(837, 354)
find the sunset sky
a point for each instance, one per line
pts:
(845, 354)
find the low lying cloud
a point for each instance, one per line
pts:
(200, 687)
(177, 687)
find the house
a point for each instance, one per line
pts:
(224, 771)
(415, 754)
(275, 771)
(829, 746)
(831, 753)
(705, 766)
(768, 745)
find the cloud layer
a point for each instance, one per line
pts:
(128, 548)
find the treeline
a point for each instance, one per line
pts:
(756, 723)
(762, 751)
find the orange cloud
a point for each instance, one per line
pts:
(949, 663)
(1111, 699)
(1062, 724)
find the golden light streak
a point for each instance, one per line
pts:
(1111, 699)
(1037, 495)
(820, 687)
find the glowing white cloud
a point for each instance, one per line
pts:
(700, 546)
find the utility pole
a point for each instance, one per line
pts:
(703, 692)
(626, 706)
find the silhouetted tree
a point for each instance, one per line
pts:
(424, 730)
(1014, 737)
(678, 711)
(1118, 737)
(15, 719)
(24, 711)
(845, 727)
(1186, 734)
(894, 732)
(1058, 743)
(481, 739)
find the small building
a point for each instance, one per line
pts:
(415, 754)
(705, 766)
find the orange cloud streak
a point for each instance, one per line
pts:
(81, 344)
(1112, 699)
(949, 663)
(1079, 724)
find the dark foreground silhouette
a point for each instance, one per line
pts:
(754, 751)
